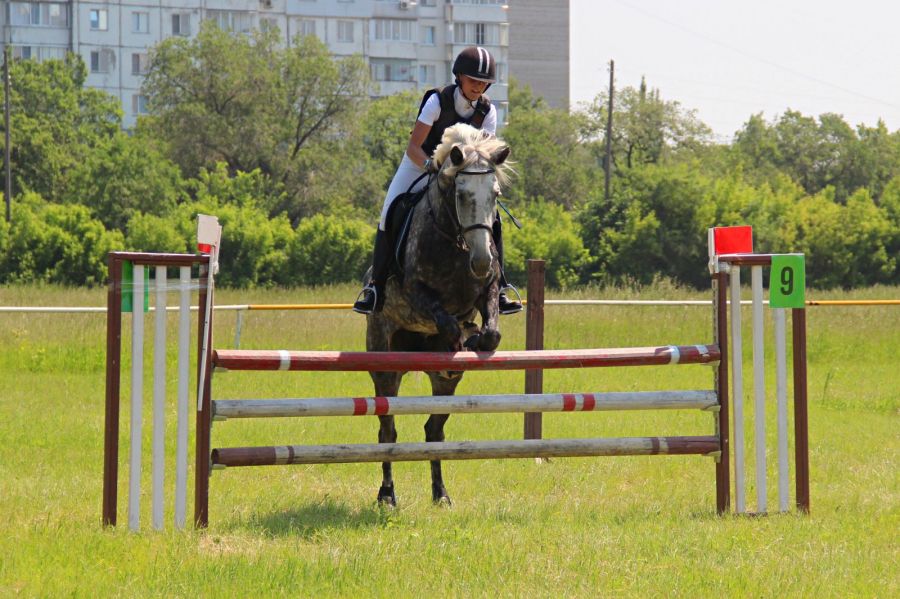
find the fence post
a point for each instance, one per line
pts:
(534, 339)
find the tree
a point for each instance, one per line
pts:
(55, 123)
(646, 128)
(550, 160)
(247, 102)
(123, 176)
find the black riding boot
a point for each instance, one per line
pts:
(372, 296)
(506, 305)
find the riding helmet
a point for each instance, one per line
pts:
(476, 62)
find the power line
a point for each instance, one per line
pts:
(760, 59)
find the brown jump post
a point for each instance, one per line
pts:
(204, 422)
(534, 340)
(801, 423)
(113, 380)
(723, 478)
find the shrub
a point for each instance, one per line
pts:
(330, 249)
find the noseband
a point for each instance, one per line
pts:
(459, 240)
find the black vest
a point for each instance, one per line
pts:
(449, 116)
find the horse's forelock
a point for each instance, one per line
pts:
(475, 144)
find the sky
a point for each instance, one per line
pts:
(730, 59)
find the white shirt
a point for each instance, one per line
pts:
(432, 110)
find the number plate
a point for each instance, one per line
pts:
(787, 281)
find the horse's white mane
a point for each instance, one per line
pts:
(475, 144)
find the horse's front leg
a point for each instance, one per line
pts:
(434, 432)
(387, 384)
(427, 301)
(488, 305)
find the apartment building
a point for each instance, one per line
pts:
(539, 48)
(408, 44)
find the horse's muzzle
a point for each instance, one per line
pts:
(480, 267)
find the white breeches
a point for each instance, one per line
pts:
(406, 173)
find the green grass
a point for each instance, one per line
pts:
(584, 527)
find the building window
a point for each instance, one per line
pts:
(39, 14)
(428, 36)
(101, 61)
(230, 20)
(140, 22)
(307, 27)
(140, 63)
(487, 34)
(139, 104)
(52, 53)
(345, 31)
(397, 30)
(98, 19)
(21, 52)
(426, 74)
(268, 24)
(386, 69)
(181, 24)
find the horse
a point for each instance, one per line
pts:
(449, 275)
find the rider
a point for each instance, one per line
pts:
(464, 102)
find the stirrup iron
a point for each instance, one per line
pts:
(370, 287)
(518, 299)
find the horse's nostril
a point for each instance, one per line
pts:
(480, 266)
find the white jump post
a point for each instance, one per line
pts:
(159, 398)
(737, 384)
(137, 396)
(184, 374)
(759, 387)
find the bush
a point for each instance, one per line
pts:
(548, 233)
(56, 244)
(330, 249)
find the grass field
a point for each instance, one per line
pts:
(581, 527)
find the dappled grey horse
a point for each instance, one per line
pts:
(450, 274)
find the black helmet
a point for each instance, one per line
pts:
(477, 63)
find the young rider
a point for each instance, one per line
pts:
(464, 102)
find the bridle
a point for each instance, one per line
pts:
(459, 240)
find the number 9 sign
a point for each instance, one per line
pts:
(787, 281)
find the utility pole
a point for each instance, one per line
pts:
(609, 117)
(6, 152)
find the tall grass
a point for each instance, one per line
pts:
(571, 527)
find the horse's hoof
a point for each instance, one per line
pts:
(489, 340)
(473, 342)
(440, 496)
(386, 496)
(443, 501)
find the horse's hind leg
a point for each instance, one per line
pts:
(387, 384)
(434, 432)
(387, 433)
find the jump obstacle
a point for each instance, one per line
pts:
(725, 275)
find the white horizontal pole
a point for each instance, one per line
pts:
(462, 404)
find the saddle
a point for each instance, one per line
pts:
(398, 221)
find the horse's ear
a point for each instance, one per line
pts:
(500, 155)
(456, 156)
